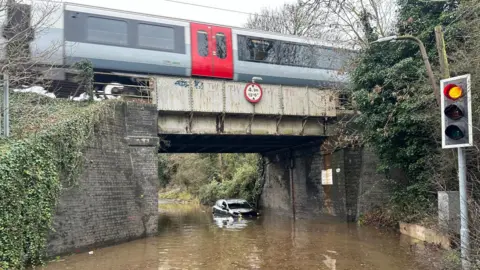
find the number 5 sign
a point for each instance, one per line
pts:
(253, 92)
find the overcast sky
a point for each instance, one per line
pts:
(196, 13)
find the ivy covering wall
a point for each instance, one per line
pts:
(42, 157)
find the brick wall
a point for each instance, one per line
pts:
(307, 183)
(374, 188)
(353, 165)
(356, 187)
(116, 196)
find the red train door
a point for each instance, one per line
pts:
(212, 53)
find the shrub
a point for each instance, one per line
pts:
(210, 177)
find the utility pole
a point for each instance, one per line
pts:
(462, 170)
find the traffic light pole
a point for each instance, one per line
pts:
(462, 168)
(464, 231)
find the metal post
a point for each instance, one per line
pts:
(423, 51)
(6, 113)
(462, 167)
(464, 231)
(430, 74)
(292, 184)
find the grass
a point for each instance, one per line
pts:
(177, 194)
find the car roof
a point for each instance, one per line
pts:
(235, 200)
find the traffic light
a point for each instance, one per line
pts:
(456, 112)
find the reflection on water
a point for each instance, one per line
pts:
(230, 223)
(191, 238)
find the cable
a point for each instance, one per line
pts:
(241, 12)
(223, 9)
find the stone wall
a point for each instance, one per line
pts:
(116, 196)
(356, 186)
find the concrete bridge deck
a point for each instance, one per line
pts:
(200, 115)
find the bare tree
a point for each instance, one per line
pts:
(24, 23)
(349, 17)
(340, 22)
(293, 19)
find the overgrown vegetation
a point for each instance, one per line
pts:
(399, 113)
(85, 77)
(209, 177)
(401, 118)
(42, 157)
(389, 86)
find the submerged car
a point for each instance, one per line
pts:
(234, 208)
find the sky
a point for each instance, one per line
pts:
(190, 12)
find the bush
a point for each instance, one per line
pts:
(163, 171)
(211, 177)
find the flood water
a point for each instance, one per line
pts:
(190, 238)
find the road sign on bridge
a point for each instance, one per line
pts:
(253, 92)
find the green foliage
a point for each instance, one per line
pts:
(213, 176)
(35, 165)
(379, 218)
(163, 176)
(452, 259)
(177, 194)
(243, 184)
(85, 76)
(399, 115)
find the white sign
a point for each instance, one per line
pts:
(253, 92)
(327, 177)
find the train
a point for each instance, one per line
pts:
(135, 43)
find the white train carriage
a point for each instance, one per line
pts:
(122, 41)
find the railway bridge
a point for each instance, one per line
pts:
(288, 125)
(117, 195)
(218, 116)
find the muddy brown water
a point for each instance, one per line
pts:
(190, 238)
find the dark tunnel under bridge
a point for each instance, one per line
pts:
(190, 143)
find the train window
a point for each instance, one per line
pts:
(221, 45)
(107, 31)
(259, 49)
(285, 53)
(202, 38)
(255, 49)
(156, 37)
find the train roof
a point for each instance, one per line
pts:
(315, 41)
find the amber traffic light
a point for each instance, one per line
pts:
(453, 91)
(456, 112)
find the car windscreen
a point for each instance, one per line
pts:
(237, 205)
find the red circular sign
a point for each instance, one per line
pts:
(253, 92)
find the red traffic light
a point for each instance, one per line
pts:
(453, 91)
